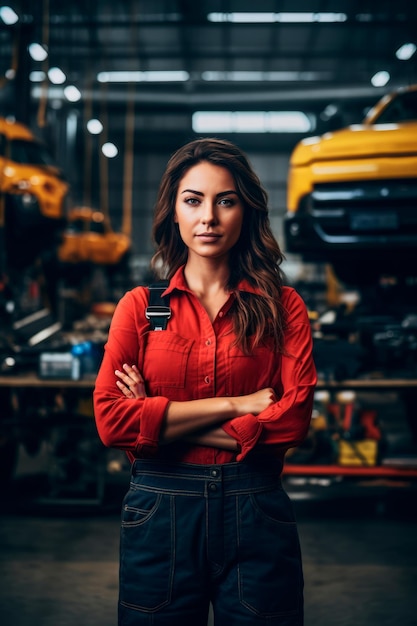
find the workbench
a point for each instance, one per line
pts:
(28, 381)
(405, 386)
(32, 380)
(56, 417)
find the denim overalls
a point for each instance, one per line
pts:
(187, 539)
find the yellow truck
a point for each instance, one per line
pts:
(352, 194)
(33, 213)
(89, 238)
(32, 194)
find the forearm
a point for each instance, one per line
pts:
(195, 416)
(214, 438)
(187, 418)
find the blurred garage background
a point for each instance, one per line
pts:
(94, 98)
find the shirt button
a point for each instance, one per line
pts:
(207, 380)
(208, 342)
(221, 314)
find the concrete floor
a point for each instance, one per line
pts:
(59, 566)
(59, 558)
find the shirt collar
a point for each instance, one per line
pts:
(178, 282)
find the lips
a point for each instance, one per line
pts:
(208, 237)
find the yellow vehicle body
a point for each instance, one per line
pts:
(28, 172)
(89, 239)
(352, 193)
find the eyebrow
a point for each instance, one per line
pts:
(219, 195)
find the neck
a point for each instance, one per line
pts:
(205, 276)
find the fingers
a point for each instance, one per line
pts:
(123, 377)
(130, 381)
(125, 389)
(133, 373)
(272, 394)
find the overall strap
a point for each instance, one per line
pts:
(158, 311)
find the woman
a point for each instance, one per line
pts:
(207, 408)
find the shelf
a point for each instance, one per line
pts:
(32, 380)
(378, 471)
(369, 383)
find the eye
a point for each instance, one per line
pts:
(192, 201)
(227, 202)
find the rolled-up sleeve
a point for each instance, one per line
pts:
(285, 423)
(132, 425)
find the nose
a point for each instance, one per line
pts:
(209, 213)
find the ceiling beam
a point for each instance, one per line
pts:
(191, 100)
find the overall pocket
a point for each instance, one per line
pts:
(146, 550)
(270, 569)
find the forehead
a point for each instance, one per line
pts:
(205, 175)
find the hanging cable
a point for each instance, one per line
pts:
(41, 117)
(128, 163)
(88, 148)
(129, 157)
(104, 166)
(15, 59)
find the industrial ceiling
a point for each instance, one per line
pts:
(143, 69)
(224, 53)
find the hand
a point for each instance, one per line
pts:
(131, 382)
(256, 402)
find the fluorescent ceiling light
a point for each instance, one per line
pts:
(37, 52)
(251, 122)
(241, 76)
(215, 76)
(380, 79)
(37, 76)
(327, 17)
(139, 77)
(8, 16)
(406, 51)
(56, 76)
(250, 18)
(95, 127)
(109, 150)
(297, 17)
(288, 122)
(270, 18)
(211, 75)
(72, 93)
(329, 111)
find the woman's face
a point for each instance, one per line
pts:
(208, 211)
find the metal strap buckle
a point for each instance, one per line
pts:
(158, 311)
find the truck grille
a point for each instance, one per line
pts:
(368, 207)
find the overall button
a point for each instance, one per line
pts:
(215, 473)
(212, 487)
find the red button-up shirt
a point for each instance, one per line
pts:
(194, 358)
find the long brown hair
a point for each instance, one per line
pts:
(256, 256)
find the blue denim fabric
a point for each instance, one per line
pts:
(194, 534)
